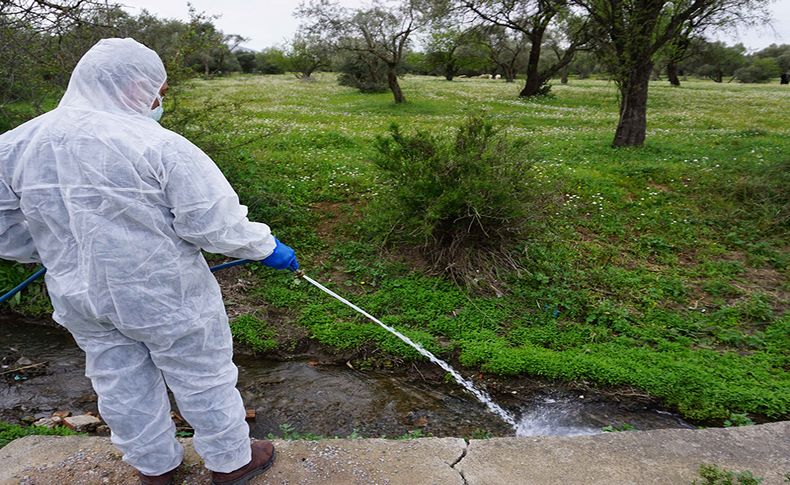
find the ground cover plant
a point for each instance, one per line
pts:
(663, 269)
(713, 475)
(252, 332)
(9, 432)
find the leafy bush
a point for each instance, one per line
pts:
(271, 61)
(466, 200)
(364, 72)
(210, 125)
(759, 71)
(763, 193)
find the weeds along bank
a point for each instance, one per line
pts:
(663, 268)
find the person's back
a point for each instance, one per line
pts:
(117, 209)
(81, 210)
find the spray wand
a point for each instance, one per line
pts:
(480, 394)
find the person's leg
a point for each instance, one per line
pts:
(198, 367)
(133, 397)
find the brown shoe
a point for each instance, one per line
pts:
(262, 459)
(165, 479)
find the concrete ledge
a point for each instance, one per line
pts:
(667, 456)
(660, 456)
(48, 460)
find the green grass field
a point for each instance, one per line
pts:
(663, 268)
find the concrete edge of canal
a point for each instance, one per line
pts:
(634, 457)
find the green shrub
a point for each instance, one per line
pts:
(465, 199)
(210, 125)
(271, 61)
(763, 194)
(759, 71)
(365, 72)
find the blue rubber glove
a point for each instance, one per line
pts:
(283, 257)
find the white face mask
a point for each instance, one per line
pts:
(156, 113)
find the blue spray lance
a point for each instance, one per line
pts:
(40, 272)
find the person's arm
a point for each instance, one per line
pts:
(16, 243)
(206, 208)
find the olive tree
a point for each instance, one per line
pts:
(40, 42)
(533, 19)
(384, 30)
(451, 50)
(781, 54)
(631, 32)
(759, 70)
(715, 60)
(308, 53)
(506, 49)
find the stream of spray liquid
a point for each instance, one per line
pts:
(481, 395)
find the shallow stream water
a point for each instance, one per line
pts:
(327, 400)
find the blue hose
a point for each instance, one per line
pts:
(229, 264)
(21, 286)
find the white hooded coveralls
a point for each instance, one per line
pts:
(117, 209)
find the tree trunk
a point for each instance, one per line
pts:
(534, 79)
(533, 87)
(392, 80)
(564, 78)
(655, 74)
(305, 74)
(449, 71)
(309, 70)
(633, 107)
(672, 74)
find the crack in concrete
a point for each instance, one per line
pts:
(456, 462)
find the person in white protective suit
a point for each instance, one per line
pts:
(118, 209)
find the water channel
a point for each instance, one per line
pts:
(329, 399)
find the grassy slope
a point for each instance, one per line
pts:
(662, 268)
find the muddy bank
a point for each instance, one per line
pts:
(60, 382)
